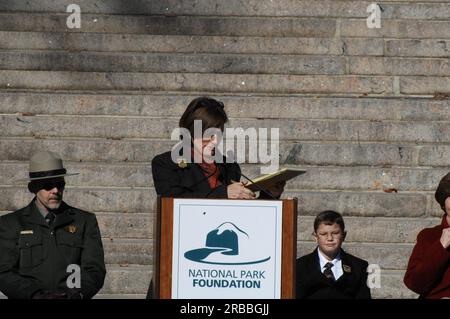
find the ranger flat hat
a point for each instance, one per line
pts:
(45, 165)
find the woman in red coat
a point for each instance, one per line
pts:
(428, 272)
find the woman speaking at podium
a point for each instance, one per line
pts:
(197, 174)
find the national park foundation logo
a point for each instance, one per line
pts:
(223, 247)
(227, 245)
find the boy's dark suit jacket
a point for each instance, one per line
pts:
(312, 283)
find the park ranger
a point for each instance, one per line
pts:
(48, 249)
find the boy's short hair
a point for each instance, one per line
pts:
(329, 217)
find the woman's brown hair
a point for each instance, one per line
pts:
(210, 111)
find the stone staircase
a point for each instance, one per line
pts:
(361, 109)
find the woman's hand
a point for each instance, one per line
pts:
(238, 190)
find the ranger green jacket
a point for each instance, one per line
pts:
(34, 256)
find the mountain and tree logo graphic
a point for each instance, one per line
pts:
(227, 244)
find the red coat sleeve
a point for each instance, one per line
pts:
(428, 262)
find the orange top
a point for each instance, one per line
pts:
(211, 170)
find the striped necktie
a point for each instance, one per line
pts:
(327, 271)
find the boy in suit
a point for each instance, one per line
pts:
(329, 272)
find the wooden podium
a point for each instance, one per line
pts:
(164, 240)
